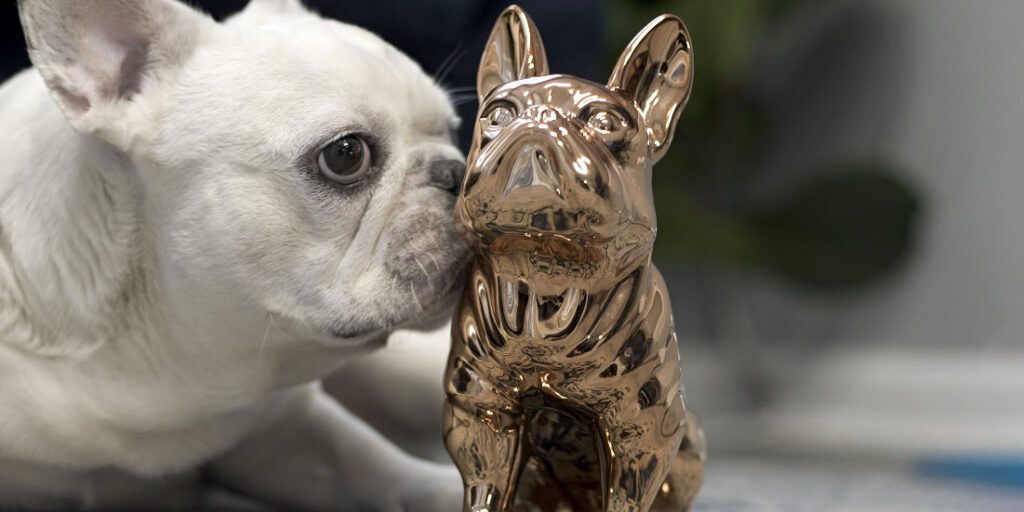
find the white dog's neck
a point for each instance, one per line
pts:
(71, 238)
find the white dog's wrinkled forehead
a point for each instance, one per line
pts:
(305, 78)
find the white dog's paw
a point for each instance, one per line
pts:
(430, 488)
(419, 487)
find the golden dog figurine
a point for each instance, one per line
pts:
(563, 381)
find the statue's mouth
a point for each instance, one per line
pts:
(551, 255)
(549, 220)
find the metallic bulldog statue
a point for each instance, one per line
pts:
(563, 381)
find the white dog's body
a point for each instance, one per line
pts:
(171, 280)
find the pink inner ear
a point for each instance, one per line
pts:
(96, 55)
(133, 66)
(77, 103)
(111, 58)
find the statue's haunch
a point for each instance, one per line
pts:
(563, 381)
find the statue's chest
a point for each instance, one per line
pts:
(574, 338)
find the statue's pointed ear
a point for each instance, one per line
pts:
(513, 52)
(656, 70)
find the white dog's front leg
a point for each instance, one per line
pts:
(316, 455)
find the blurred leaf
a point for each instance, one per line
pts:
(688, 227)
(720, 128)
(840, 229)
(780, 8)
(721, 32)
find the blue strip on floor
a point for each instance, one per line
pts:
(1005, 471)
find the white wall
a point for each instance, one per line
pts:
(925, 362)
(962, 137)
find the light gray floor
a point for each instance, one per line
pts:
(773, 485)
(752, 485)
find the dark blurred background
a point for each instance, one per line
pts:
(838, 224)
(828, 230)
(430, 32)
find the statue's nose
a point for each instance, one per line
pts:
(532, 167)
(447, 174)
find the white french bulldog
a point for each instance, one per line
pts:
(198, 220)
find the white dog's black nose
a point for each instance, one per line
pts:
(447, 174)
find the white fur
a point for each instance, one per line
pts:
(171, 280)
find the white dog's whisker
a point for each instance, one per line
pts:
(430, 282)
(433, 260)
(449, 62)
(415, 296)
(266, 336)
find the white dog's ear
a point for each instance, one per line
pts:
(263, 11)
(513, 52)
(656, 70)
(97, 56)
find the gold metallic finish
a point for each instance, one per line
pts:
(563, 381)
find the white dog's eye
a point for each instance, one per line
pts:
(345, 160)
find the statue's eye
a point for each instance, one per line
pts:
(607, 122)
(500, 115)
(604, 121)
(345, 160)
(497, 117)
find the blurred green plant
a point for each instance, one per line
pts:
(845, 226)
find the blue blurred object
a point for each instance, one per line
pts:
(999, 470)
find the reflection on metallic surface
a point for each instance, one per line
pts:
(563, 381)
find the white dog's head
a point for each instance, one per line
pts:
(289, 167)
